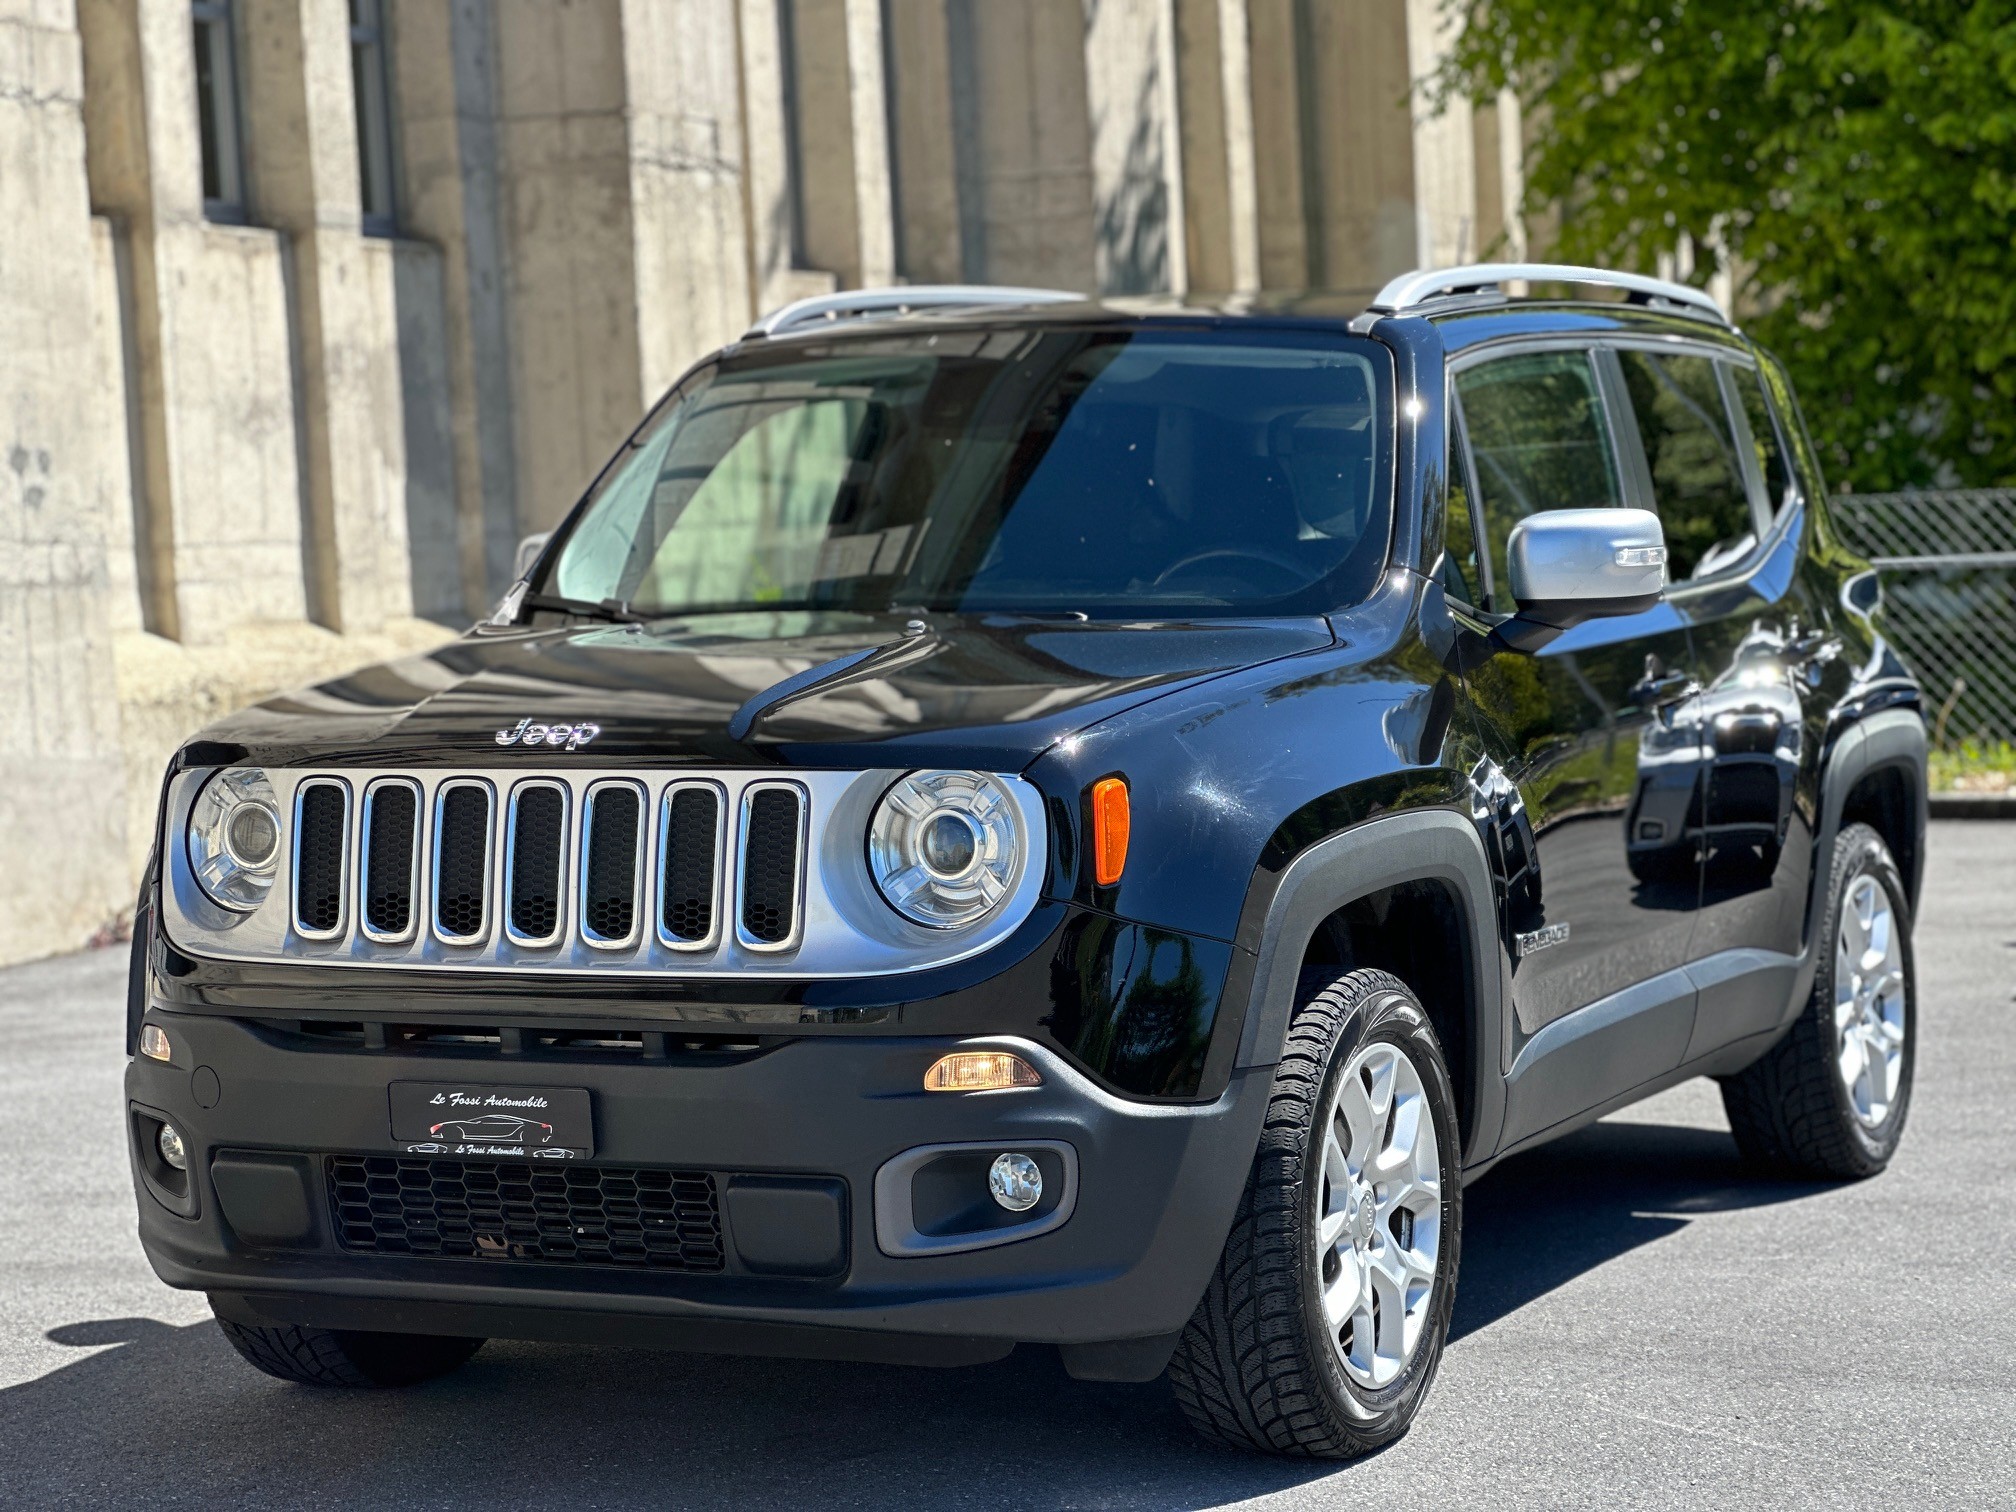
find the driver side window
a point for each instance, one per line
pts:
(1539, 439)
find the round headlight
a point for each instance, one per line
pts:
(234, 838)
(945, 847)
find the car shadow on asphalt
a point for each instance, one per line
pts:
(161, 1414)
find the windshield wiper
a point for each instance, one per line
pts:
(605, 611)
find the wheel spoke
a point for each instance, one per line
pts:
(1396, 1163)
(1361, 1121)
(1854, 1058)
(1343, 1296)
(1331, 1229)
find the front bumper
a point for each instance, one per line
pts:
(1155, 1192)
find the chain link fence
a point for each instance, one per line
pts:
(1949, 584)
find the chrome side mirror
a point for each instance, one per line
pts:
(1571, 565)
(528, 551)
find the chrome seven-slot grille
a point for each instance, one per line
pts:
(596, 860)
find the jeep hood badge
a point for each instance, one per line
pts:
(570, 736)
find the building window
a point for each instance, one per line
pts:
(371, 84)
(217, 117)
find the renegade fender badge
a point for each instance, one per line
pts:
(1537, 940)
(571, 736)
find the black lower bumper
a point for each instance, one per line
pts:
(1155, 1187)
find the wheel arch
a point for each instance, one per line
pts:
(1876, 775)
(1410, 893)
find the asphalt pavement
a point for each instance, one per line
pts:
(1641, 1322)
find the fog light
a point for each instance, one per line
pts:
(980, 1071)
(177, 1156)
(154, 1043)
(1015, 1182)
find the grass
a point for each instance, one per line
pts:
(1975, 766)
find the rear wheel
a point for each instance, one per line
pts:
(1830, 1099)
(1323, 1325)
(346, 1357)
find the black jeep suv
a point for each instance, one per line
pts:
(1001, 819)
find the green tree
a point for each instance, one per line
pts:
(1854, 163)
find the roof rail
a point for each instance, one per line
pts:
(1417, 288)
(866, 304)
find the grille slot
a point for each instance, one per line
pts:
(690, 836)
(553, 1213)
(612, 830)
(461, 861)
(321, 844)
(391, 857)
(773, 821)
(536, 852)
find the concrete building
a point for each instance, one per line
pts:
(310, 309)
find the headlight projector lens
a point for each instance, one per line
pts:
(945, 847)
(234, 838)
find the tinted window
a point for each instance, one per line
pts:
(1097, 471)
(1765, 437)
(1697, 479)
(1539, 440)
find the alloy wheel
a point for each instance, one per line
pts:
(1379, 1233)
(1869, 1000)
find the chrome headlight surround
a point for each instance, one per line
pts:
(236, 837)
(945, 848)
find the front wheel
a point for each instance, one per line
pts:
(1323, 1325)
(346, 1357)
(1829, 1099)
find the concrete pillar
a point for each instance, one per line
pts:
(1286, 256)
(925, 154)
(445, 86)
(1357, 111)
(568, 263)
(843, 195)
(766, 155)
(1027, 202)
(301, 161)
(1136, 146)
(1448, 228)
(61, 784)
(683, 110)
(218, 492)
(1214, 91)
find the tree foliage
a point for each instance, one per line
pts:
(1852, 161)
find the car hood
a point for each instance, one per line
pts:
(990, 692)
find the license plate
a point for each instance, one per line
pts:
(455, 1118)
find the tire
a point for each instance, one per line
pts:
(1258, 1366)
(344, 1358)
(1794, 1111)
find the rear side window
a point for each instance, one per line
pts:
(1766, 439)
(1690, 449)
(1539, 440)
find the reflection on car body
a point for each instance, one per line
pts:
(1719, 770)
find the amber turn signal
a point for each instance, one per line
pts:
(980, 1071)
(1111, 820)
(154, 1043)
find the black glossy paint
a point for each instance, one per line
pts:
(1243, 742)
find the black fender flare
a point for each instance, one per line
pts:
(1419, 845)
(1886, 738)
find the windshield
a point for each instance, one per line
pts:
(1063, 470)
